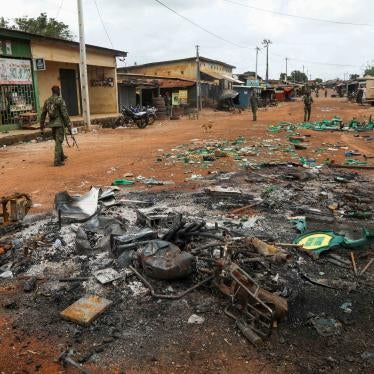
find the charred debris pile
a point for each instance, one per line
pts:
(245, 237)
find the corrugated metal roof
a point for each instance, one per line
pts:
(177, 60)
(29, 35)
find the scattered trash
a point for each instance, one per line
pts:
(79, 208)
(122, 182)
(195, 319)
(319, 241)
(108, 275)
(154, 181)
(347, 307)
(86, 309)
(326, 326)
(13, 210)
(164, 260)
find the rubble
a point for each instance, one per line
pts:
(86, 309)
(232, 243)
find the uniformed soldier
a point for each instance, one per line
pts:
(254, 104)
(58, 116)
(308, 100)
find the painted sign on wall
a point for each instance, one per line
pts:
(183, 96)
(253, 83)
(14, 71)
(175, 99)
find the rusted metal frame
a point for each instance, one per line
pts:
(166, 296)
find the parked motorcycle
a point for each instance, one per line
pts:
(128, 116)
(151, 111)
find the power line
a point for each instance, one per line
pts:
(197, 25)
(103, 24)
(240, 46)
(300, 17)
(313, 61)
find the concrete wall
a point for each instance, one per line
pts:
(101, 65)
(102, 99)
(51, 77)
(61, 52)
(182, 69)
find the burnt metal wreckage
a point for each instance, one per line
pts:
(202, 244)
(155, 252)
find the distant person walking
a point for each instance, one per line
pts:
(55, 107)
(326, 92)
(308, 101)
(254, 105)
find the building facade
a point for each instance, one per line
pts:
(215, 76)
(31, 64)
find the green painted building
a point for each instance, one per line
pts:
(18, 85)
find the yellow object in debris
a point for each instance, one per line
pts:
(315, 241)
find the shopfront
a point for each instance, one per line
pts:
(31, 64)
(17, 88)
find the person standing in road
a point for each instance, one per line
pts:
(254, 105)
(58, 115)
(308, 101)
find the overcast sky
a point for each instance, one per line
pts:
(150, 32)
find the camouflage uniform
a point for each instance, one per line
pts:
(58, 115)
(254, 104)
(308, 100)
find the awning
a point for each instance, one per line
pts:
(219, 76)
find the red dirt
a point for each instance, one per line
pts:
(28, 167)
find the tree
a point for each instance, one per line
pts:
(283, 77)
(4, 22)
(353, 77)
(298, 77)
(43, 25)
(369, 70)
(318, 80)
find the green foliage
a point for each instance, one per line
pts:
(353, 77)
(4, 22)
(282, 77)
(43, 25)
(298, 77)
(318, 80)
(369, 70)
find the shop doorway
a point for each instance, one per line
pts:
(69, 90)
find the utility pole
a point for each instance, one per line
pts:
(286, 69)
(347, 83)
(197, 80)
(257, 50)
(83, 70)
(266, 43)
(303, 69)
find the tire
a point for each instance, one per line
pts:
(142, 123)
(151, 119)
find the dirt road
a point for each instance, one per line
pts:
(31, 332)
(107, 154)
